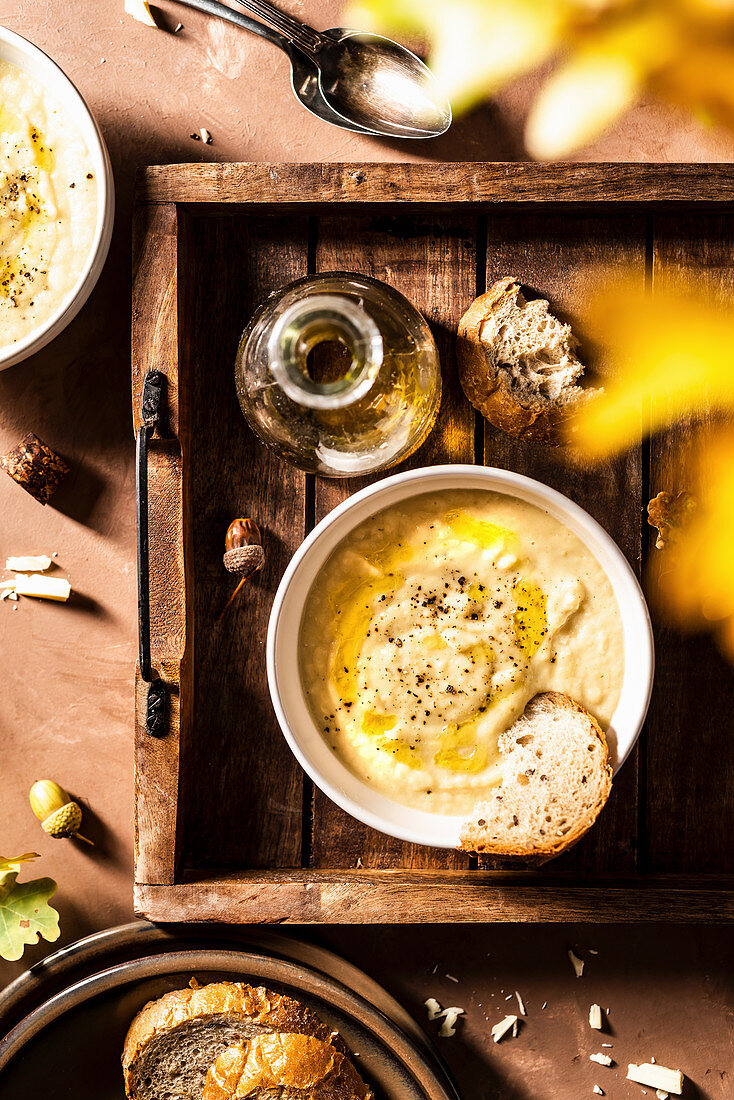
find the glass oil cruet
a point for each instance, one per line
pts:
(339, 374)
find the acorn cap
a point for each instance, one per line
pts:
(244, 560)
(64, 822)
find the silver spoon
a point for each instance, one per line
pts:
(361, 82)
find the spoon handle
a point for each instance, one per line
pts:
(213, 7)
(300, 34)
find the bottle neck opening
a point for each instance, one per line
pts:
(325, 351)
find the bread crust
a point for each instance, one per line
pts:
(262, 1006)
(488, 389)
(299, 1065)
(473, 839)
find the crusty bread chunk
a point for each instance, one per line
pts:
(173, 1041)
(284, 1067)
(518, 364)
(556, 778)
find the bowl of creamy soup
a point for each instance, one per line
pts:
(419, 618)
(56, 200)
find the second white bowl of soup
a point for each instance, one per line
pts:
(419, 618)
(56, 200)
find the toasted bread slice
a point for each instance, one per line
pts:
(556, 778)
(290, 1067)
(518, 364)
(173, 1041)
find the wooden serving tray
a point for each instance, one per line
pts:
(227, 826)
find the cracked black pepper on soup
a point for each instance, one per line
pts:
(432, 625)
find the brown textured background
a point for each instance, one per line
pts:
(66, 696)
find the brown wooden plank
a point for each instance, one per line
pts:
(434, 264)
(552, 254)
(155, 343)
(243, 794)
(436, 184)
(413, 897)
(690, 808)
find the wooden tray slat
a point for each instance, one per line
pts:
(227, 827)
(240, 748)
(561, 257)
(434, 264)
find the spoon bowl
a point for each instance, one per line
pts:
(381, 86)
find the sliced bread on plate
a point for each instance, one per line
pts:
(284, 1067)
(174, 1040)
(556, 777)
(518, 364)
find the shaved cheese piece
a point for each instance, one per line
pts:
(600, 1059)
(598, 1091)
(657, 1077)
(45, 588)
(500, 1030)
(576, 963)
(595, 1019)
(450, 1016)
(205, 136)
(661, 1095)
(37, 564)
(434, 1008)
(520, 1004)
(140, 10)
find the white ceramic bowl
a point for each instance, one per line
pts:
(18, 51)
(301, 732)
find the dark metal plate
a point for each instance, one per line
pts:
(75, 1038)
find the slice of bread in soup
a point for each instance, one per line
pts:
(518, 364)
(174, 1040)
(284, 1067)
(556, 777)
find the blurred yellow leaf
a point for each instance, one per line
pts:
(476, 46)
(672, 353)
(599, 83)
(611, 54)
(697, 583)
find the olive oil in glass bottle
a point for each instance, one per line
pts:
(339, 374)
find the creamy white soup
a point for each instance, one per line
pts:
(432, 625)
(48, 205)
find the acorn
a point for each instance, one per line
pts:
(243, 552)
(59, 815)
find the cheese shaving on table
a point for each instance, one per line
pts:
(595, 1018)
(520, 1004)
(600, 1059)
(598, 1091)
(29, 564)
(656, 1077)
(450, 1016)
(576, 963)
(141, 12)
(500, 1030)
(44, 588)
(662, 1095)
